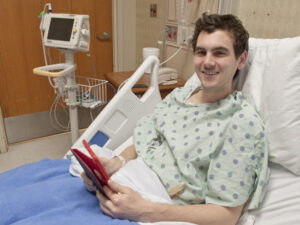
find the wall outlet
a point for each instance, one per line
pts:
(184, 34)
(171, 33)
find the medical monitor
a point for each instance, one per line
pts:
(60, 29)
(67, 31)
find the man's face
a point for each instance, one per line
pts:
(215, 61)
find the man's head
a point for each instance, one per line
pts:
(230, 23)
(220, 45)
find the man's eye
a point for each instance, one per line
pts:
(201, 53)
(219, 53)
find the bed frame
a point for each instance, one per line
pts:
(116, 122)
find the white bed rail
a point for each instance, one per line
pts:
(116, 122)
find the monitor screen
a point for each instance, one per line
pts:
(60, 29)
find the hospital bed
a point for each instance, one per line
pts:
(44, 192)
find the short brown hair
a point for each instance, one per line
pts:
(228, 22)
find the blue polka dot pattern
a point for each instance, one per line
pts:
(216, 150)
(235, 196)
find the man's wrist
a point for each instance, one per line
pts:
(122, 159)
(154, 212)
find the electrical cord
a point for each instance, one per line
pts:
(92, 64)
(53, 113)
(53, 117)
(112, 86)
(188, 41)
(122, 84)
(45, 52)
(172, 56)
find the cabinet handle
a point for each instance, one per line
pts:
(104, 37)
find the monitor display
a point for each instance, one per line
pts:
(60, 29)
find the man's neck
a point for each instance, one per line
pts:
(208, 96)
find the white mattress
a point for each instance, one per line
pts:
(281, 205)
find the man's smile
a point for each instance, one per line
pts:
(210, 73)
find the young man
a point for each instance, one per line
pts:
(209, 141)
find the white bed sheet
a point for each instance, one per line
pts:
(281, 205)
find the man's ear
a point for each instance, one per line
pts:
(242, 60)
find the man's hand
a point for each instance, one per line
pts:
(123, 202)
(89, 184)
(110, 165)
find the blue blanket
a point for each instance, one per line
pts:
(45, 193)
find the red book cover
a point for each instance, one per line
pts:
(92, 166)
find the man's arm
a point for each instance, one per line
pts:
(207, 214)
(129, 153)
(125, 203)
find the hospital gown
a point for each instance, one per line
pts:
(217, 151)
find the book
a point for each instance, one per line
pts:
(92, 167)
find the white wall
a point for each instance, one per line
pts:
(124, 35)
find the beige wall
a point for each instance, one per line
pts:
(280, 19)
(271, 18)
(262, 18)
(149, 30)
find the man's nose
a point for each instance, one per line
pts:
(209, 60)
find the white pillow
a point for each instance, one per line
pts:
(273, 85)
(271, 81)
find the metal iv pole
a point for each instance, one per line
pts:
(72, 102)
